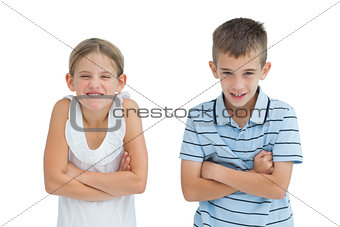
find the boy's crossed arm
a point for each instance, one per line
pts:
(196, 188)
(198, 185)
(254, 182)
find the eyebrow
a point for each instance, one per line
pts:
(227, 69)
(100, 72)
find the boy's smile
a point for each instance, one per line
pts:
(239, 78)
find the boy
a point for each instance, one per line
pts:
(229, 142)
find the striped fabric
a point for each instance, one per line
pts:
(212, 135)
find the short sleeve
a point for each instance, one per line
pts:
(287, 146)
(191, 147)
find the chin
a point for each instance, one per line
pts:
(240, 104)
(94, 105)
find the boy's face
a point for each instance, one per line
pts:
(239, 78)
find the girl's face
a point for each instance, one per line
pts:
(95, 75)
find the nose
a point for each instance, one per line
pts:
(94, 82)
(238, 82)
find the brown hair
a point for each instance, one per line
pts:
(239, 37)
(96, 45)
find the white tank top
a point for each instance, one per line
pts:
(118, 212)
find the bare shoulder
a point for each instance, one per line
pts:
(132, 119)
(62, 104)
(60, 109)
(129, 103)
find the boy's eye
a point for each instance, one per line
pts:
(227, 73)
(106, 77)
(84, 76)
(249, 73)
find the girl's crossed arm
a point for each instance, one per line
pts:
(124, 182)
(57, 182)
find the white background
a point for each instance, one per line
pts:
(167, 46)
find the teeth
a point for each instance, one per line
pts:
(94, 94)
(238, 95)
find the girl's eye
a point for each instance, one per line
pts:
(106, 77)
(249, 73)
(84, 76)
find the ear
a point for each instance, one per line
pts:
(265, 70)
(69, 81)
(213, 69)
(121, 82)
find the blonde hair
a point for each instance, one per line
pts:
(96, 45)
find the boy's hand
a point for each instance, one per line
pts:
(263, 162)
(207, 170)
(125, 163)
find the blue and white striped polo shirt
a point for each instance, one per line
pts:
(212, 135)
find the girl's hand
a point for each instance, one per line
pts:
(125, 163)
(72, 170)
(263, 162)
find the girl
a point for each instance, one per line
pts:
(89, 170)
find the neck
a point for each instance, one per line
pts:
(95, 118)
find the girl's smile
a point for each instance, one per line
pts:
(95, 76)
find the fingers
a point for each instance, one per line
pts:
(263, 153)
(126, 165)
(268, 161)
(125, 155)
(125, 162)
(263, 162)
(271, 170)
(268, 157)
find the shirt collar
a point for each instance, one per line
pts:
(259, 115)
